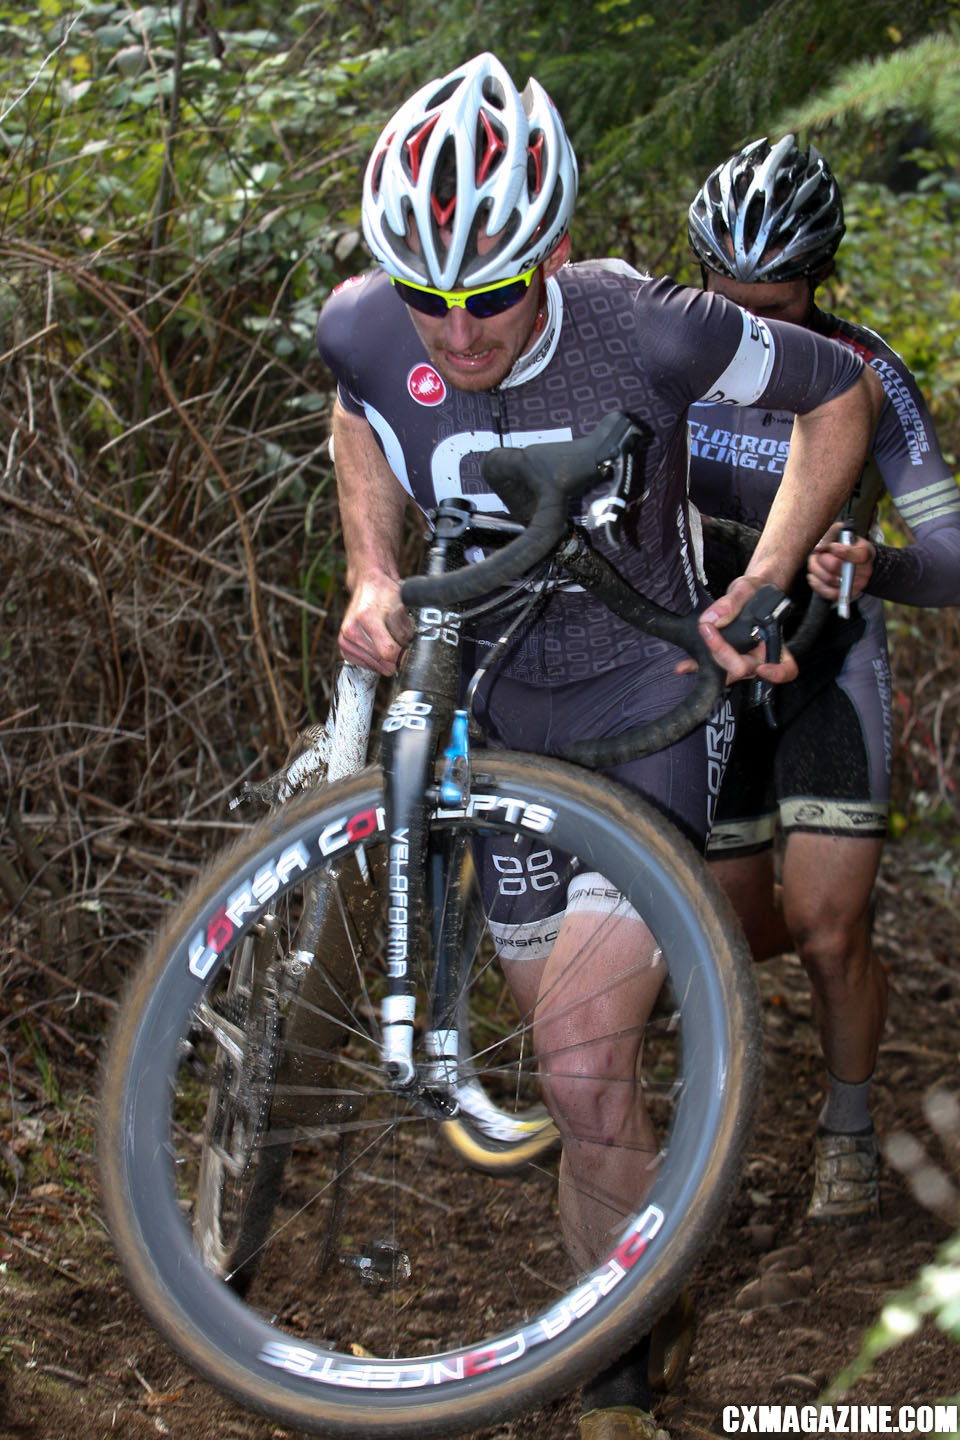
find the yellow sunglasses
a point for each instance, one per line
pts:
(482, 304)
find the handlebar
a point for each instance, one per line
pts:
(537, 484)
(759, 619)
(728, 546)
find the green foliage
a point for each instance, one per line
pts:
(922, 79)
(900, 262)
(216, 154)
(602, 62)
(899, 273)
(647, 169)
(41, 1060)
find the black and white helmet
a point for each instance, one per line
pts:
(770, 212)
(468, 153)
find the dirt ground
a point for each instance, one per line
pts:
(781, 1306)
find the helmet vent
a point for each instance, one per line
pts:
(493, 92)
(535, 147)
(414, 145)
(491, 144)
(443, 94)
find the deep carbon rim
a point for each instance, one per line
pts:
(300, 1382)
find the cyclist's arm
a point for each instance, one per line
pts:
(828, 447)
(910, 464)
(907, 460)
(924, 573)
(376, 626)
(927, 572)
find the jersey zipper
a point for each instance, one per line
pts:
(496, 403)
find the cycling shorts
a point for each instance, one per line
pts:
(826, 768)
(528, 886)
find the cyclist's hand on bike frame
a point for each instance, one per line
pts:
(739, 666)
(825, 564)
(376, 628)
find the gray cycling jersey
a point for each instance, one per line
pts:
(827, 767)
(615, 340)
(737, 459)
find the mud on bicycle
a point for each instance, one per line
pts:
(326, 1158)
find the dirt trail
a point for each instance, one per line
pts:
(781, 1307)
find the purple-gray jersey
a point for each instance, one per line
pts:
(613, 340)
(737, 460)
(827, 767)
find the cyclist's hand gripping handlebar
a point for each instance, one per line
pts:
(537, 484)
(758, 620)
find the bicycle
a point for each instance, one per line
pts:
(331, 990)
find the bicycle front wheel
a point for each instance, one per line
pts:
(393, 1291)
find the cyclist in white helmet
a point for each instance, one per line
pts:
(472, 136)
(765, 227)
(475, 333)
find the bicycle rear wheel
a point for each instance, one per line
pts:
(394, 1292)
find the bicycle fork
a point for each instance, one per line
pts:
(418, 720)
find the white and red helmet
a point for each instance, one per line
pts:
(469, 155)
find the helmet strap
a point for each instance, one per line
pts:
(542, 308)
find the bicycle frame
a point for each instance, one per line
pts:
(268, 1084)
(423, 711)
(545, 480)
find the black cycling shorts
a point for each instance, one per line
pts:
(826, 768)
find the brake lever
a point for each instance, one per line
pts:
(769, 629)
(766, 608)
(761, 619)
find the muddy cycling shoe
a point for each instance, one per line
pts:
(671, 1341)
(622, 1423)
(846, 1186)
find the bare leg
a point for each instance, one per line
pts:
(749, 884)
(822, 912)
(591, 999)
(827, 881)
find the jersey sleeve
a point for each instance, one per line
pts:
(719, 354)
(907, 455)
(927, 572)
(808, 370)
(337, 341)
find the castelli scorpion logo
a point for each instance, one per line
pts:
(426, 386)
